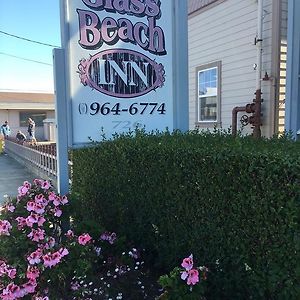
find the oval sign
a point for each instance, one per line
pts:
(121, 73)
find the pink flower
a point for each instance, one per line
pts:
(23, 190)
(75, 286)
(192, 276)
(57, 212)
(59, 200)
(50, 244)
(39, 208)
(35, 218)
(10, 292)
(38, 182)
(6, 270)
(11, 273)
(32, 218)
(70, 234)
(30, 206)
(37, 235)
(35, 257)
(5, 227)
(52, 196)
(30, 286)
(21, 222)
(47, 258)
(51, 260)
(41, 220)
(3, 268)
(46, 185)
(84, 239)
(56, 201)
(32, 273)
(184, 275)
(63, 252)
(64, 200)
(40, 199)
(110, 237)
(187, 263)
(10, 207)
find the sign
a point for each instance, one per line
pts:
(126, 66)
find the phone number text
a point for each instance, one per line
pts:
(108, 108)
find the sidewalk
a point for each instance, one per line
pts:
(12, 175)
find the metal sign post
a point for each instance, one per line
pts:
(61, 112)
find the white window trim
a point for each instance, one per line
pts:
(199, 69)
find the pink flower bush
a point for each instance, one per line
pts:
(32, 223)
(192, 275)
(40, 206)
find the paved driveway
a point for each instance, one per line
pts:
(12, 175)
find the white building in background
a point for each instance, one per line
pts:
(223, 58)
(16, 108)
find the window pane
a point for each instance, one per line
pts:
(207, 109)
(202, 89)
(207, 82)
(37, 116)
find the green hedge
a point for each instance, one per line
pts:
(232, 202)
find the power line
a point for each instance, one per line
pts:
(27, 59)
(28, 40)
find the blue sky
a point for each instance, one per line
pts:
(35, 20)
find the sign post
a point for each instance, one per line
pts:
(126, 66)
(61, 114)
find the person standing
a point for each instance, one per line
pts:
(31, 131)
(5, 129)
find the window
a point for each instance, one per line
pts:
(208, 93)
(37, 116)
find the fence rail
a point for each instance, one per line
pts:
(40, 158)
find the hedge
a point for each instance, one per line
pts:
(232, 202)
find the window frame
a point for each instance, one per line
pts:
(208, 123)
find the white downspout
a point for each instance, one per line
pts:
(257, 122)
(259, 39)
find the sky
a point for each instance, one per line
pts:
(35, 20)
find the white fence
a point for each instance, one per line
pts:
(41, 159)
